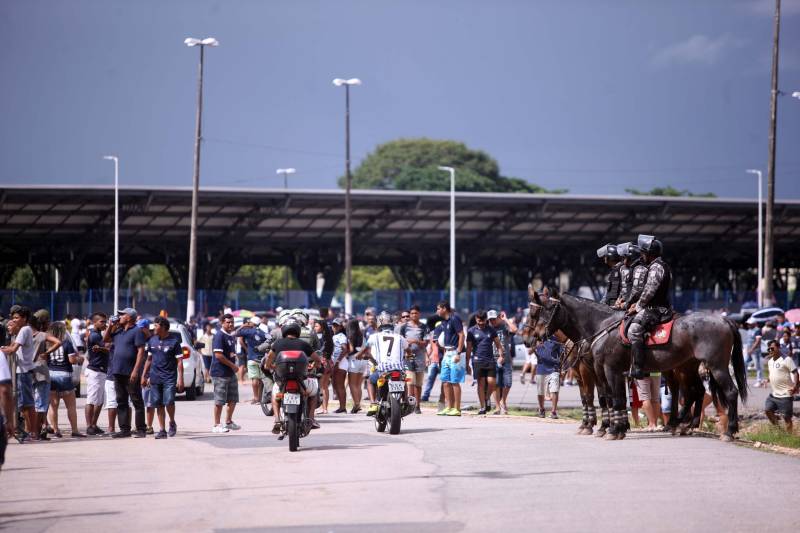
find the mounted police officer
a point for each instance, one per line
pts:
(653, 306)
(636, 274)
(625, 273)
(608, 253)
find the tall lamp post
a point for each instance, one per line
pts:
(760, 289)
(348, 251)
(190, 296)
(115, 159)
(285, 172)
(452, 172)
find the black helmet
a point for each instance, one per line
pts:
(628, 249)
(608, 251)
(650, 245)
(290, 328)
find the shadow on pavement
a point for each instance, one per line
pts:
(316, 440)
(383, 527)
(42, 522)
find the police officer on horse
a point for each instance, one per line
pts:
(653, 306)
(609, 254)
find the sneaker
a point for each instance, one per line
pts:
(78, 435)
(554, 415)
(314, 424)
(443, 412)
(161, 434)
(417, 410)
(355, 410)
(232, 425)
(219, 428)
(98, 431)
(121, 434)
(482, 411)
(173, 428)
(453, 412)
(276, 428)
(140, 434)
(541, 413)
(149, 430)
(91, 431)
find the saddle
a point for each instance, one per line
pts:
(660, 334)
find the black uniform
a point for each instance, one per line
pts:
(613, 284)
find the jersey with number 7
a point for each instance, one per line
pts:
(387, 349)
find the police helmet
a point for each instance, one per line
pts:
(300, 316)
(283, 316)
(608, 251)
(628, 249)
(291, 327)
(650, 245)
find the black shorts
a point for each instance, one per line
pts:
(486, 371)
(780, 405)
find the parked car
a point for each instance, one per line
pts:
(763, 316)
(194, 384)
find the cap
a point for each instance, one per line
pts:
(491, 313)
(143, 323)
(130, 311)
(42, 314)
(338, 321)
(255, 320)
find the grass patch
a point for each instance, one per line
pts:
(769, 434)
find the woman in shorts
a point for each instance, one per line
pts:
(356, 366)
(60, 363)
(340, 364)
(326, 341)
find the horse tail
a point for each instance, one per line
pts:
(737, 358)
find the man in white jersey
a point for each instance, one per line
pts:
(386, 349)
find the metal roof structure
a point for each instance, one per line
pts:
(74, 225)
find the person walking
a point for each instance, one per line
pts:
(126, 367)
(96, 371)
(548, 378)
(223, 376)
(163, 373)
(482, 341)
(505, 328)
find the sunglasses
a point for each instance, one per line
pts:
(403, 316)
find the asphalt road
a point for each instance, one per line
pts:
(440, 474)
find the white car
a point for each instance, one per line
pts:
(194, 384)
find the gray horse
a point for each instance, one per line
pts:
(710, 339)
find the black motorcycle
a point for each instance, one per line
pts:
(267, 382)
(290, 372)
(393, 401)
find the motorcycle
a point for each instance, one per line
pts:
(266, 391)
(290, 370)
(393, 401)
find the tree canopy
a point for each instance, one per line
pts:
(669, 190)
(412, 164)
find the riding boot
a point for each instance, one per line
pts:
(637, 351)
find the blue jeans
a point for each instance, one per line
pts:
(433, 371)
(162, 394)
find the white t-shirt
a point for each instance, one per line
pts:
(780, 376)
(5, 371)
(387, 348)
(339, 346)
(26, 351)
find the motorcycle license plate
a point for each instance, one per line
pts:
(397, 386)
(291, 399)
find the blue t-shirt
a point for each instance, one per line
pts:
(482, 341)
(253, 337)
(452, 327)
(548, 354)
(98, 361)
(126, 344)
(163, 354)
(59, 359)
(226, 344)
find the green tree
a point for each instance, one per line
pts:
(669, 190)
(412, 164)
(22, 279)
(147, 277)
(262, 278)
(369, 278)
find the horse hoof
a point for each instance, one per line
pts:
(588, 431)
(581, 430)
(621, 436)
(600, 432)
(610, 436)
(725, 438)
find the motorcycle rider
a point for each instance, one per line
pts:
(653, 306)
(608, 253)
(290, 341)
(386, 349)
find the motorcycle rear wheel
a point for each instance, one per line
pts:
(293, 429)
(395, 416)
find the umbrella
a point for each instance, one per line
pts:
(243, 313)
(793, 315)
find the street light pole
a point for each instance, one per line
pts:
(285, 172)
(115, 159)
(760, 281)
(769, 241)
(190, 296)
(452, 172)
(348, 250)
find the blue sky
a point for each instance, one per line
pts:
(593, 96)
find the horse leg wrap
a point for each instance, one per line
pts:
(606, 417)
(585, 422)
(592, 416)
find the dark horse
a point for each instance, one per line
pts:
(707, 338)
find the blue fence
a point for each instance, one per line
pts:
(151, 302)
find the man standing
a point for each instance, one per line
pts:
(482, 341)
(163, 372)
(24, 350)
(548, 379)
(415, 332)
(223, 375)
(454, 368)
(126, 367)
(781, 371)
(505, 329)
(253, 337)
(96, 371)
